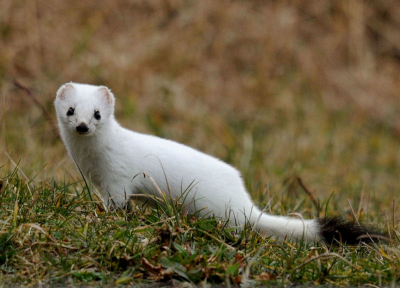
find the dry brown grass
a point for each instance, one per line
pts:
(278, 88)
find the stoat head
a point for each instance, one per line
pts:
(83, 109)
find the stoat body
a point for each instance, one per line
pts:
(111, 156)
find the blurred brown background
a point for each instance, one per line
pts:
(279, 89)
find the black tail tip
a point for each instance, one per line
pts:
(336, 230)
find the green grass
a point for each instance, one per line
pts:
(52, 233)
(279, 90)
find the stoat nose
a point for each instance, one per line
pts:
(82, 128)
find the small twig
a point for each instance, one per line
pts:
(140, 228)
(326, 255)
(20, 170)
(354, 214)
(33, 202)
(215, 239)
(360, 205)
(388, 226)
(53, 244)
(246, 272)
(38, 227)
(40, 105)
(358, 223)
(393, 217)
(308, 192)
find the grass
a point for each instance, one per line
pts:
(51, 233)
(279, 90)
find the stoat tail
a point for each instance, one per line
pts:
(331, 230)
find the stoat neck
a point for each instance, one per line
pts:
(95, 153)
(107, 133)
(105, 136)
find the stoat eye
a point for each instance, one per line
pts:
(97, 115)
(70, 111)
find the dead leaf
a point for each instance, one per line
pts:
(138, 275)
(264, 276)
(238, 279)
(150, 267)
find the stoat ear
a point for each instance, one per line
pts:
(64, 91)
(107, 95)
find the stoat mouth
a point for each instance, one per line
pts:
(85, 134)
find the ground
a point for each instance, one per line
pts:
(282, 91)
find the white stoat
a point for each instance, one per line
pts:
(110, 156)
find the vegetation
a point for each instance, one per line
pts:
(282, 91)
(53, 234)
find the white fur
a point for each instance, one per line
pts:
(110, 156)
